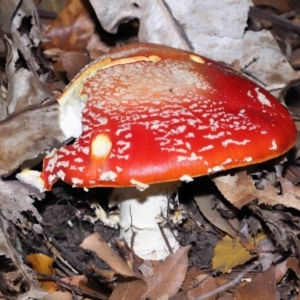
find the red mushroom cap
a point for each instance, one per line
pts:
(149, 113)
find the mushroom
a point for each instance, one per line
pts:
(148, 116)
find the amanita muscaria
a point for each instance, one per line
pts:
(146, 114)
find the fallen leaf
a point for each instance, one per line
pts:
(168, 276)
(43, 264)
(96, 243)
(240, 190)
(293, 264)
(72, 29)
(280, 5)
(24, 86)
(20, 143)
(129, 289)
(15, 199)
(82, 282)
(198, 283)
(229, 253)
(211, 213)
(266, 255)
(130, 285)
(262, 287)
(73, 62)
(59, 295)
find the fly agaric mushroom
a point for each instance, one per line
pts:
(148, 114)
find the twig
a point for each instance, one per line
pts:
(71, 287)
(229, 284)
(276, 20)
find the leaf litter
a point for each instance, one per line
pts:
(238, 231)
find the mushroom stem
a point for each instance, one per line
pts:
(140, 213)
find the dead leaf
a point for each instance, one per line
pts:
(73, 62)
(198, 283)
(96, 243)
(240, 190)
(72, 29)
(293, 264)
(12, 16)
(229, 253)
(280, 270)
(82, 282)
(280, 5)
(24, 86)
(211, 213)
(168, 276)
(59, 295)
(262, 287)
(130, 285)
(129, 289)
(25, 276)
(14, 199)
(25, 135)
(43, 263)
(266, 255)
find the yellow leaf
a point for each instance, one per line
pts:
(43, 264)
(230, 253)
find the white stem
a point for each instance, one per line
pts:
(138, 219)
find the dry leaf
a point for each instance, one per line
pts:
(72, 29)
(169, 275)
(24, 86)
(96, 243)
(240, 190)
(280, 270)
(293, 264)
(262, 287)
(82, 282)
(280, 5)
(229, 253)
(198, 283)
(129, 289)
(266, 255)
(43, 264)
(14, 199)
(59, 295)
(211, 213)
(20, 142)
(73, 62)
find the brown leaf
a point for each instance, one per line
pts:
(73, 62)
(293, 264)
(130, 285)
(82, 282)
(198, 283)
(280, 5)
(240, 190)
(169, 275)
(129, 289)
(27, 134)
(96, 243)
(262, 287)
(72, 29)
(211, 213)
